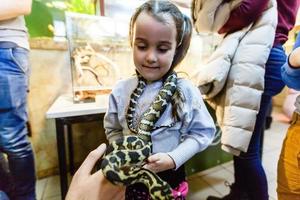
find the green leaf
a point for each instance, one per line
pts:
(39, 20)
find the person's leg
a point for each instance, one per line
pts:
(250, 178)
(269, 117)
(6, 179)
(249, 172)
(14, 72)
(288, 170)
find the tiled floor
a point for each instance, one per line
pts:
(208, 182)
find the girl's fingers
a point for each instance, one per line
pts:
(153, 158)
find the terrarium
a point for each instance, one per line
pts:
(97, 48)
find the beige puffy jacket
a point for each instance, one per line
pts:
(232, 80)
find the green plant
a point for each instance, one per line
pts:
(79, 6)
(44, 12)
(39, 21)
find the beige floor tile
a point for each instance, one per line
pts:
(53, 198)
(273, 137)
(207, 171)
(200, 190)
(269, 162)
(217, 180)
(271, 175)
(228, 166)
(52, 188)
(272, 185)
(40, 188)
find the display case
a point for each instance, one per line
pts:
(97, 48)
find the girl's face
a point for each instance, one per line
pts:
(154, 45)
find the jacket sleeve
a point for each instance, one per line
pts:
(112, 126)
(243, 15)
(291, 76)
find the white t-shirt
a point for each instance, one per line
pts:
(14, 30)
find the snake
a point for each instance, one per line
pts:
(125, 157)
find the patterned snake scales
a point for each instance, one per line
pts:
(125, 157)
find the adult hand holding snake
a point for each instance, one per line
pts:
(89, 186)
(159, 162)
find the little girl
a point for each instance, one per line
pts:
(157, 105)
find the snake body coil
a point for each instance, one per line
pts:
(125, 157)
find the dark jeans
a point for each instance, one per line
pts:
(249, 173)
(3, 196)
(17, 171)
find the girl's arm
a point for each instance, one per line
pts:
(112, 126)
(198, 128)
(243, 15)
(197, 132)
(13, 8)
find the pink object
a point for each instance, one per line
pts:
(181, 190)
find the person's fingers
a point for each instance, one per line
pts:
(90, 161)
(151, 166)
(101, 149)
(153, 158)
(115, 193)
(107, 190)
(120, 194)
(146, 166)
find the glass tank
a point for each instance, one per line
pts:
(97, 48)
(100, 53)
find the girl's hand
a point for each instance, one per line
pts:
(160, 162)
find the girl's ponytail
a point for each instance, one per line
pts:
(185, 34)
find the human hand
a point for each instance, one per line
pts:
(159, 162)
(294, 58)
(87, 186)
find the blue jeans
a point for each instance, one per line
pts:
(3, 196)
(249, 173)
(17, 170)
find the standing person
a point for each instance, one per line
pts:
(156, 108)
(288, 170)
(17, 170)
(224, 77)
(250, 178)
